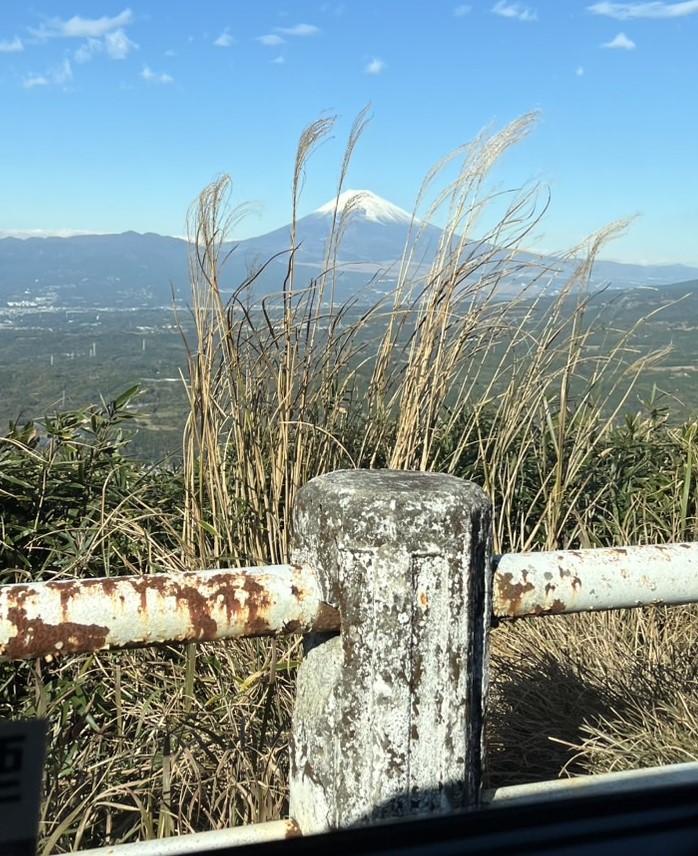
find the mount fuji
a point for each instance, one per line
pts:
(374, 233)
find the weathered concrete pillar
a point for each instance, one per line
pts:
(388, 717)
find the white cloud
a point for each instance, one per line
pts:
(100, 34)
(151, 76)
(375, 66)
(628, 11)
(15, 46)
(87, 50)
(35, 80)
(225, 40)
(514, 10)
(83, 28)
(580, 71)
(170, 52)
(299, 30)
(621, 41)
(118, 44)
(63, 74)
(462, 10)
(55, 77)
(279, 60)
(271, 40)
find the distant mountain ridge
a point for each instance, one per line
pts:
(133, 269)
(97, 268)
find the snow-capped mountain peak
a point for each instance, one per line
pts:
(366, 204)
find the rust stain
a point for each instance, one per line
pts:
(21, 588)
(423, 599)
(294, 626)
(141, 587)
(576, 583)
(258, 605)
(199, 607)
(557, 607)
(252, 611)
(229, 596)
(510, 594)
(36, 638)
(292, 829)
(109, 586)
(327, 619)
(663, 548)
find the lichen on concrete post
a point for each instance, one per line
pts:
(389, 713)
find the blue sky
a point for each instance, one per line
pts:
(116, 115)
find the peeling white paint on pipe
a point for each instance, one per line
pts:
(565, 581)
(73, 616)
(198, 842)
(602, 783)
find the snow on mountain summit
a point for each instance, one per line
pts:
(367, 204)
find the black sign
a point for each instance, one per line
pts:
(22, 747)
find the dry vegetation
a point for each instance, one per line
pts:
(161, 742)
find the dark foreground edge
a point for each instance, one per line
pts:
(661, 820)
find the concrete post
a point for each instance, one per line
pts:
(388, 717)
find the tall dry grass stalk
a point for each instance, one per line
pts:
(287, 387)
(270, 386)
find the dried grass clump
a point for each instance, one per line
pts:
(597, 693)
(141, 748)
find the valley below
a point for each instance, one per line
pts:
(60, 358)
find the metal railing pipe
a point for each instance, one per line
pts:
(621, 781)
(202, 842)
(75, 616)
(565, 581)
